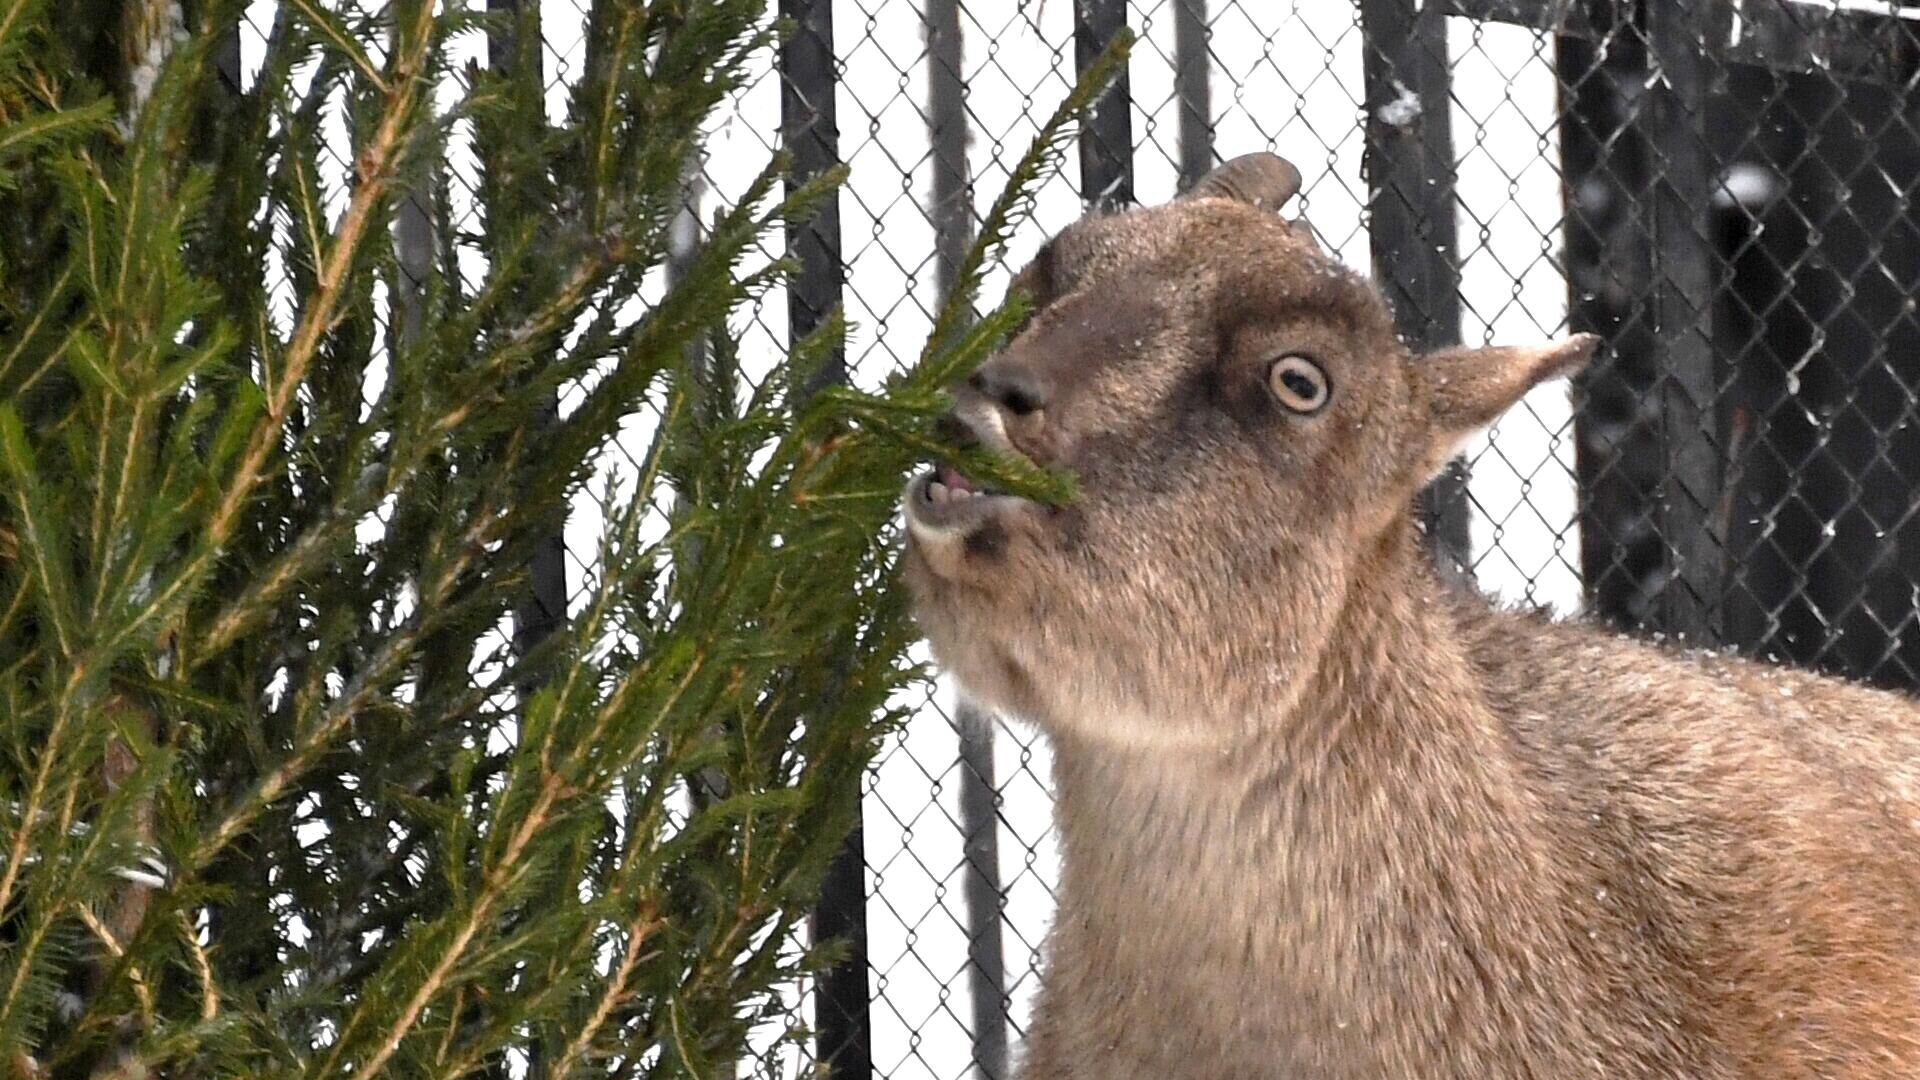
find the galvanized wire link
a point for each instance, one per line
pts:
(1723, 192)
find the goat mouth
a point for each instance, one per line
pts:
(944, 498)
(949, 483)
(945, 501)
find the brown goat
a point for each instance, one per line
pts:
(1322, 815)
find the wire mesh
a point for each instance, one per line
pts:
(1723, 191)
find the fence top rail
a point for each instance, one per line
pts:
(1864, 40)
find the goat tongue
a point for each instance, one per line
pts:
(953, 478)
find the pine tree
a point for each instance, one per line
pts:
(289, 786)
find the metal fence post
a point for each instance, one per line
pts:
(809, 78)
(1608, 259)
(1192, 71)
(810, 130)
(1642, 257)
(514, 46)
(952, 214)
(226, 59)
(1410, 213)
(986, 956)
(952, 203)
(1106, 136)
(1685, 279)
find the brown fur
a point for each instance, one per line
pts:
(1323, 816)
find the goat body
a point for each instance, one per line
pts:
(1323, 815)
(1498, 847)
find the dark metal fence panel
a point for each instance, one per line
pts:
(810, 130)
(1819, 326)
(1744, 447)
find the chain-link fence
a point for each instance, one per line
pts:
(1721, 188)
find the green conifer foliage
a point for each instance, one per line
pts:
(277, 796)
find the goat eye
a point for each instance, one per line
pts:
(1299, 384)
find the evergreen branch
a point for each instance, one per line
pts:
(53, 127)
(480, 909)
(304, 553)
(44, 540)
(375, 169)
(375, 485)
(979, 339)
(119, 952)
(377, 176)
(395, 652)
(110, 516)
(327, 707)
(16, 602)
(202, 966)
(24, 948)
(91, 365)
(609, 62)
(1015, 201)
(16, 17)
(639, 930)
(335, 33)
(57, 292)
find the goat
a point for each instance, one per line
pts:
(1324, 815)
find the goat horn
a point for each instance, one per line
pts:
(1264, 180)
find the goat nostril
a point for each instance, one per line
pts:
(1013, 391)
(949, 428)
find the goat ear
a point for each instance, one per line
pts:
(1467, 389)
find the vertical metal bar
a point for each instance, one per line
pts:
(1106, 137)
(226, 59)
(1411, 207)
(1608, 256)
(711, 408)
(1764, 324)
(843, 1040)
(413, 251)
(1192, 67)
(514, 46)
(952, 213)
(514, 50)
(684, 237)
(980, 819)
(810, 131)
(952, 209)
(1679, 203)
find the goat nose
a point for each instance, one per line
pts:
(1020, 391)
